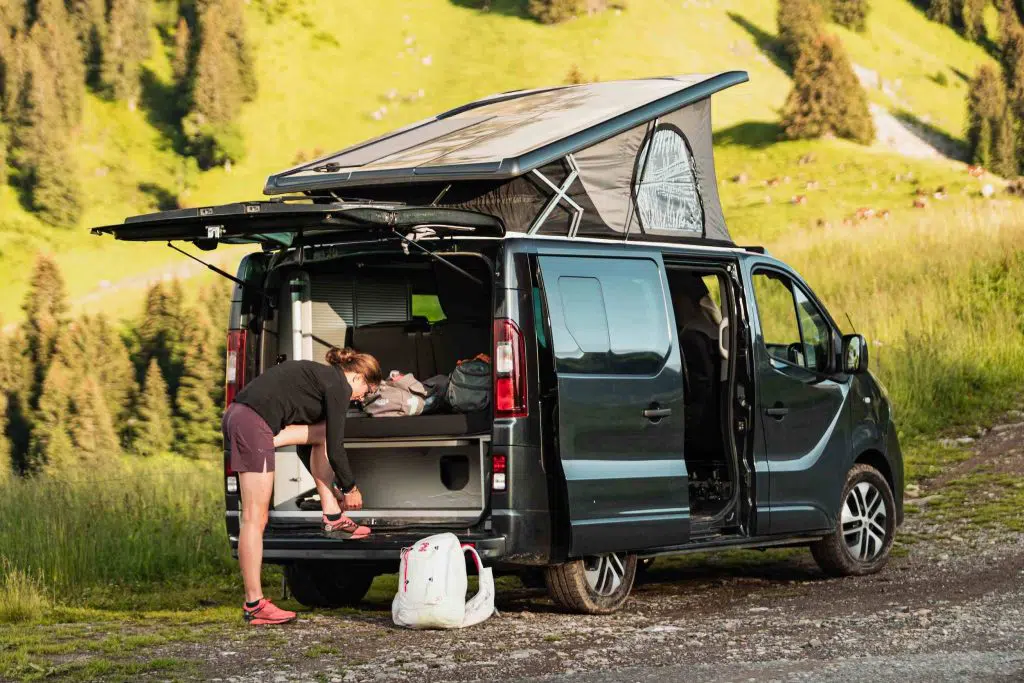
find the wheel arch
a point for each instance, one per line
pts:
(877, 460)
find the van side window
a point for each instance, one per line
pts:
(608, 316)
(814, 331)
(793, 329)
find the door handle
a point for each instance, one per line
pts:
(657, 413)
(778, 411)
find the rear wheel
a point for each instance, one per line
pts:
(328, 584)
(598, 584)
(863, 537)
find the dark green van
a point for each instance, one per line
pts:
(657, 389)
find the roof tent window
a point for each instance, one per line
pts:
(667, 194)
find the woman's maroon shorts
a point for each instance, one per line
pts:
(250, 439)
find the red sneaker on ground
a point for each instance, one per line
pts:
(345, 528)
(267, 613)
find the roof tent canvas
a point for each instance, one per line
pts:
(620, 160)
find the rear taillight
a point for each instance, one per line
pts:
(509, 370)
(234, 373)
(499, 470)
(234, 380)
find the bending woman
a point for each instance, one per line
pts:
(298, 392)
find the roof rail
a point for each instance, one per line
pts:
(754, 249)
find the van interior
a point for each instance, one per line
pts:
(702, 305)
(415, 315)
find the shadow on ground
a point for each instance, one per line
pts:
(509, 8)
(751, 134)
(766, 42)
(933, 136)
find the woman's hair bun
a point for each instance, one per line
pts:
(336, 356)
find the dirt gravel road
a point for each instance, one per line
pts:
(949, 607)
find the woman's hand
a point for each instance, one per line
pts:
(354, 499)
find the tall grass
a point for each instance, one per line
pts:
(941, 300)
(135, 522)
(21, 597)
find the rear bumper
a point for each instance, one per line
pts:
(282, 547)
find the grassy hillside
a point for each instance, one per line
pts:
(324, 67)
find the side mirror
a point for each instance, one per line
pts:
(855, 354)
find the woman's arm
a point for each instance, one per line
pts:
(336, 400)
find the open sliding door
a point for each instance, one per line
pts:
(620, 401)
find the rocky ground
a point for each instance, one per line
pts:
(950, 606)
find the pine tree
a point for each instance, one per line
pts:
(223, 79)
(90, 427)
(92, 346)
(6, 455)
(90, 22)
(234, 22)
(41, 133)
(153, 430)
(126, 45)
(826, 98)
(986, 106)
(1004, 146)
(555, 11)
(56, 189)
(50, 448)
(800, 22)
(1012, 48)
(943, 11)
(6, 390)
(16, 385)
(160, 335)
(54, 35)
(197, 421)
(115, 370)
(45, 309)
(182, 64)
(4, 172)
(853, 14)
(972, 19)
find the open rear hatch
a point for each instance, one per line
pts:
(426, 471)
(299, 221)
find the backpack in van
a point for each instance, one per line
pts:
(432, 586)
(469, 385)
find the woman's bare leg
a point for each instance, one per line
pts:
(256, 491)
(319, 467)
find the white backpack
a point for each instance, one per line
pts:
(432, 586)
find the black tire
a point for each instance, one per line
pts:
(854, 548)
(328, 584)
(570, 588)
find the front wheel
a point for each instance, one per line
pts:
(863, 538)
(598, 584)
(328, 584)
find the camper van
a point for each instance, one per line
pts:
(656, 389)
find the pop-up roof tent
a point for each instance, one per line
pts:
(622, 160)
(617, 160)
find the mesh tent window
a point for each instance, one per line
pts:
(666, 190)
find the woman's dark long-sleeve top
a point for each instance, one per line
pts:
(305, 392)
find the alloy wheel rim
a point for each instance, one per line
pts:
(604, 573)
(864, 521)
